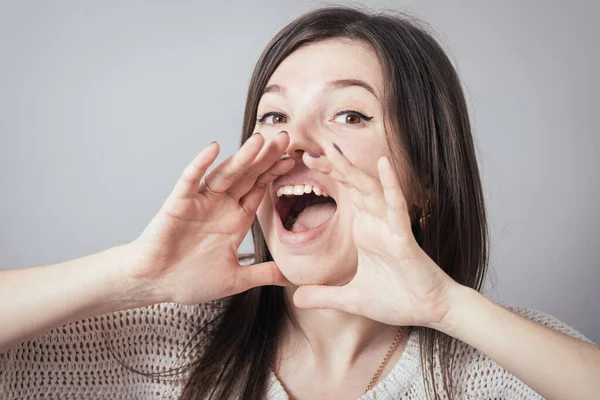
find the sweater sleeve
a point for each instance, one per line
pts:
(480, 377)
(87, 358)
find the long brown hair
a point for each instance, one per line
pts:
(429, 133)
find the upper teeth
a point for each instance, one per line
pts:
(298, 190)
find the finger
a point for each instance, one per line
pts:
(319, 296)
(187, 184)
(259, 275)
(353, 175)
(341, 169)
(224, 174)
(252, 199)
(269, 155)
(397, 208)
(324, 165)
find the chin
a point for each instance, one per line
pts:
(303, 270)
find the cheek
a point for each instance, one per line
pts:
(364, 149)
(366, 157)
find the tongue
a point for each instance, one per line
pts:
(313, 216)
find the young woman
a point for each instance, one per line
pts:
(358, 163)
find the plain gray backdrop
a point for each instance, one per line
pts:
(102, 104)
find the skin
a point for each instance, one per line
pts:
(393, 282)
(339, 350)
(188, 253)
(349, 291)
(310, 109)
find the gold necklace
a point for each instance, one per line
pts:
(386, 359)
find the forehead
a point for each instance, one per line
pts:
(329, 60)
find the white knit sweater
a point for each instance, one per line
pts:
(74, 361)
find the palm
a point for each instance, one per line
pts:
(190, 248)
(185, 228)
(409, 283)
(188, 222)
(396, 282)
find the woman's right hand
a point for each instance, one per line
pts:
(188, 254)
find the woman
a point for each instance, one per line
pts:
(371, 249)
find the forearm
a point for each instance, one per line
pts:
(36, 299)
(553, 364)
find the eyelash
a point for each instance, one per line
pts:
(261, 118)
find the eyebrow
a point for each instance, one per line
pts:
(331, 85)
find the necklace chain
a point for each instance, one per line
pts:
(385, 360)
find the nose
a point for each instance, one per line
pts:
(302, 140)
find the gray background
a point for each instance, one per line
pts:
(102, 104)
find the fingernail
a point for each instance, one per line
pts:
(284, 158)
(256, 133)
(282, 132)
(338, 149)
(213, 142)
(313, 155)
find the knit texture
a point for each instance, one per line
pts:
(74, 361)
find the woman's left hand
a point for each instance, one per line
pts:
(396, 282)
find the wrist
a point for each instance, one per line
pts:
(130, 290)
(461, 298)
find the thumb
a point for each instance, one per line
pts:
(320, 296)
(263, 274)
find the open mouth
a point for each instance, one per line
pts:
(303, 207)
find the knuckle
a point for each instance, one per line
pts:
(346, 171)
(240, 162)
(266, 178)
(219, 175)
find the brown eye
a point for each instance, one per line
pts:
(349, 118)
(279, 119)
(352, 119)
(272, 118)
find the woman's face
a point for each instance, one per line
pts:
(326, 92)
